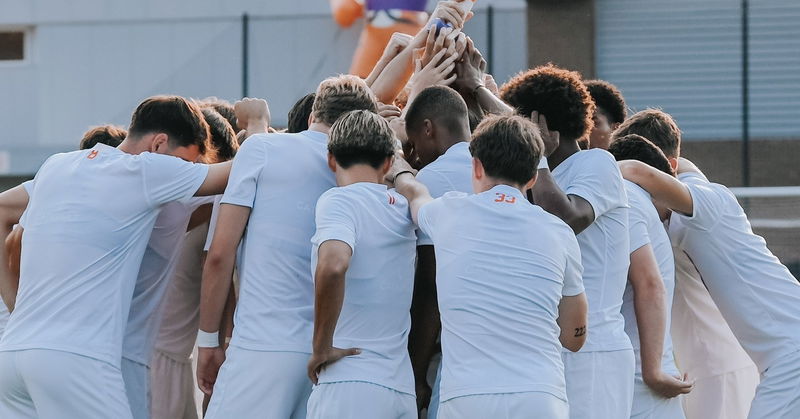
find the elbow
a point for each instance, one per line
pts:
(574, 344)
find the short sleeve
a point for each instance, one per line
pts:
(212, 222)
(437, 183)
(599, 182)
(637, 226)
(573, 274)
(335, 219)
(707, 203)
(29, 186)
(426, 219)
(247, 166)
(168, 178)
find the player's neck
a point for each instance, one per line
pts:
(320, 127)
(446, 141)
(565, 149)
(133, 146)
(358, 173)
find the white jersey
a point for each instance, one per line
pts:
(158, 266)
(181, 313)
(281, 177)
(502, 266)
(645, 227)
(452, 171)
(376, 224)
(757, 295)
(594, 176)
(87, 224)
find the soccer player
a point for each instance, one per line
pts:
(585, 190)
(509, 297)
(610, 112)
(109, 135)
(647, 302)
(60, 355)
(724, 385)
(438, 132)
(299, 114)
(269, 205)
(757, 295)
(363, 263)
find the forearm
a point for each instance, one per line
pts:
(663, 188)
(9, 282)
(548, 195)
(226, 326)
(650, 309)
(329, 297)
(415, 192)
(425, 321)
(490, 103)
(394, 77)
(216, 179)
(214, 290)
(377, 70)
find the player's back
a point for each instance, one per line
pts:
(757, 295)
(88, 221)
(281, 177)
(594, 176)
(501, 267)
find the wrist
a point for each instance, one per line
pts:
(402, 172)
(257, 126)
(207, 339)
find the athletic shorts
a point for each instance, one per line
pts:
(357, 399)
(723, 396)
(172, 388)
(599, 384)
(47, 384)
(532, 404)
(778, 395)
(137, 386)
(649, 405)
(262, 385)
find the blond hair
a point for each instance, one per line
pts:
(338, 95)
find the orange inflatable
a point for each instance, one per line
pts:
(384, 17)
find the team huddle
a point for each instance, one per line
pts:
(419, 243)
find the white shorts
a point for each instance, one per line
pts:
(172, 388)
(599, 384)
(137, 386)
(778, 395)
(532, 404)
(357, 399)
(723, 396)
(649, 405)
(47, 384)
(260, 384)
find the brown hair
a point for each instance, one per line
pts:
(361, 137)
(338, 95)
(110, 135)
(557, 94)
(175, 116)
(223, 139)
(223, 107)
(508, 146)
(655, 125)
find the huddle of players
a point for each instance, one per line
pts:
(557, 309)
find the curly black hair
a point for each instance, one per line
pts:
(636, 147)
(556, 93)
(608, 99)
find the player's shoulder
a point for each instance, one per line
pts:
(636, 194)
(544, 218)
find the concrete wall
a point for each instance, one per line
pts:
(93, 61)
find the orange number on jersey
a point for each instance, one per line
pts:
(92, 155)
(501, 197)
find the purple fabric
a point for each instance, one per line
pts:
(415, 5)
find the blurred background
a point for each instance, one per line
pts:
(727, 70)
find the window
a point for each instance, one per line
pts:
(12, 45)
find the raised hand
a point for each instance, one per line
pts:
(252, 114)
(320, 360)
(549, 138)
(438, 72)
(397, 43)
(449, 12)
(469, 69)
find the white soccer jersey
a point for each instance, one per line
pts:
(452, 171)
(376, 224)
(502, 267)
(594, 176)
(87, 224)
(645, 227)
(757, 295)
(281, 177)
(158, 266)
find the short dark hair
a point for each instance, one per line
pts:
(557, 94)
(224, 108)
(109, 135)
(636, 147)
(298, 115)
(223, 139)
(438, 103)
(655, 125)
(508, 146)
(361, 137)
(338, 95)
(608, 99)
(175, 116)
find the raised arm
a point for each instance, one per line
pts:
(333, 260)
(650, 308)
(216, 285)
(665, 189)
(471, 78)
(402, 176)
(12, 204)
(572, 209)
(397, 44)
